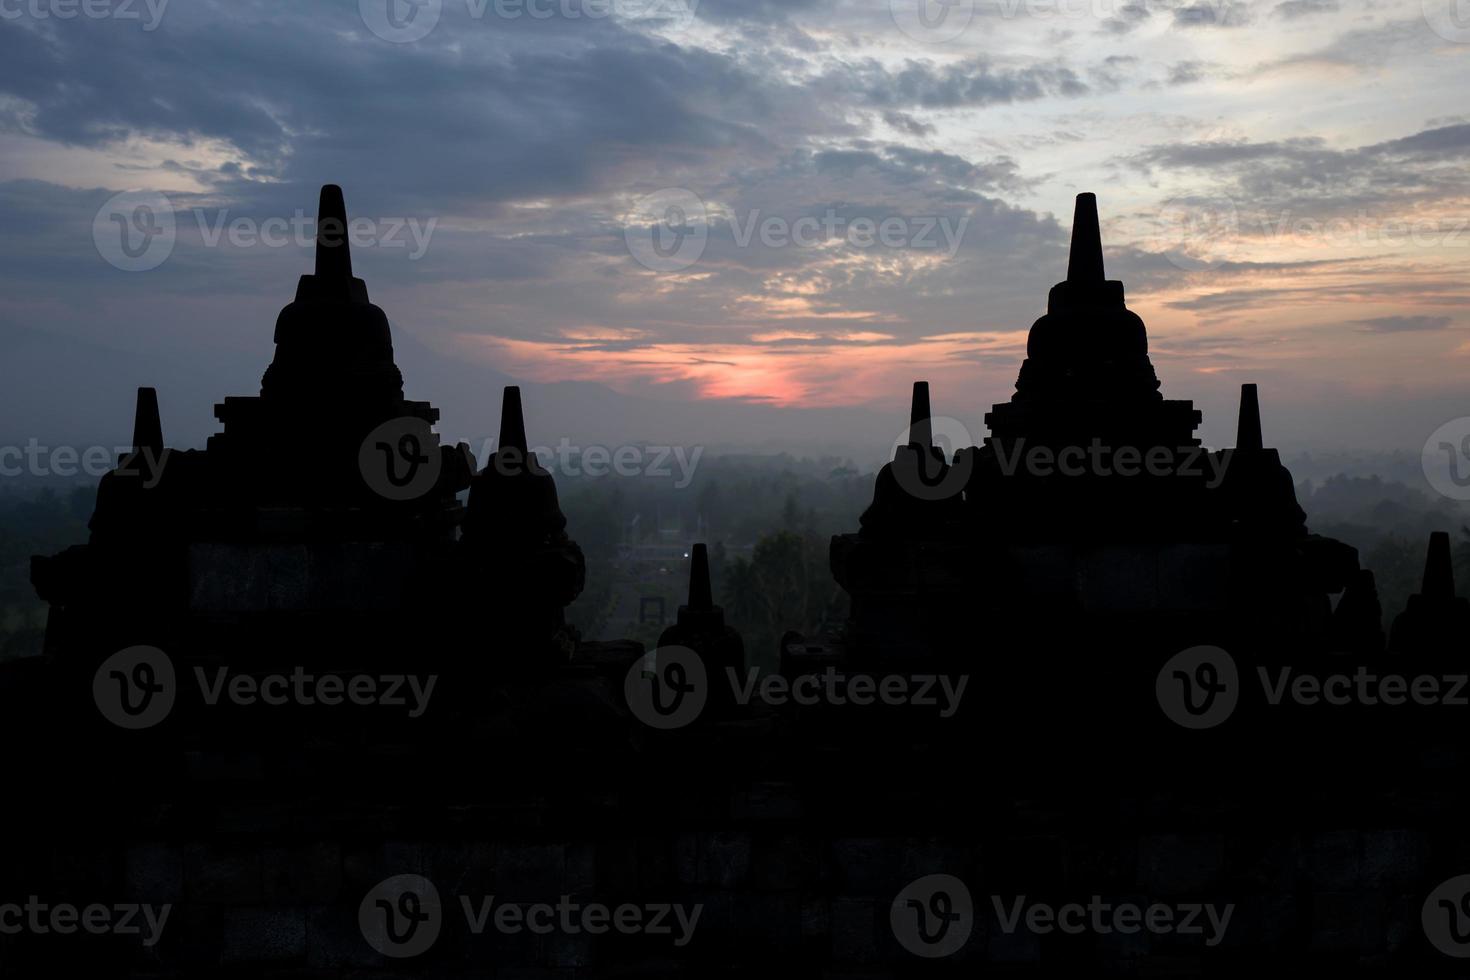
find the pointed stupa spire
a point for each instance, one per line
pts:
(512, 421)
(1085, 265)
(701, 596)
(333, 253)
(1248, 426)
(1439, 574)
(921, 429)
(147, 424)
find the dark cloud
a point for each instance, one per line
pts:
(975, 82)
(1274, 180)
(907, 123)
(511, 109)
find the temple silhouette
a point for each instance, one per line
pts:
(1054, 567)
(325, 510)
(1093, 506)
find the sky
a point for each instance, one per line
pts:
(746, 224)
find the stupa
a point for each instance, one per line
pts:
(325, 517)
(1436, 621)
(1091, 503)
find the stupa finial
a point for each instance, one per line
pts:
(701, 596)
(333, 253)
(1439, 574)
(1248, 425)
(921, 429)
(147, 424)
(1085, 264)
(512, 421)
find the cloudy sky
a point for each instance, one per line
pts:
(742, 223)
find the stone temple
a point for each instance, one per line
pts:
(1092, 510)
(325, 515)
(1048, 573)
